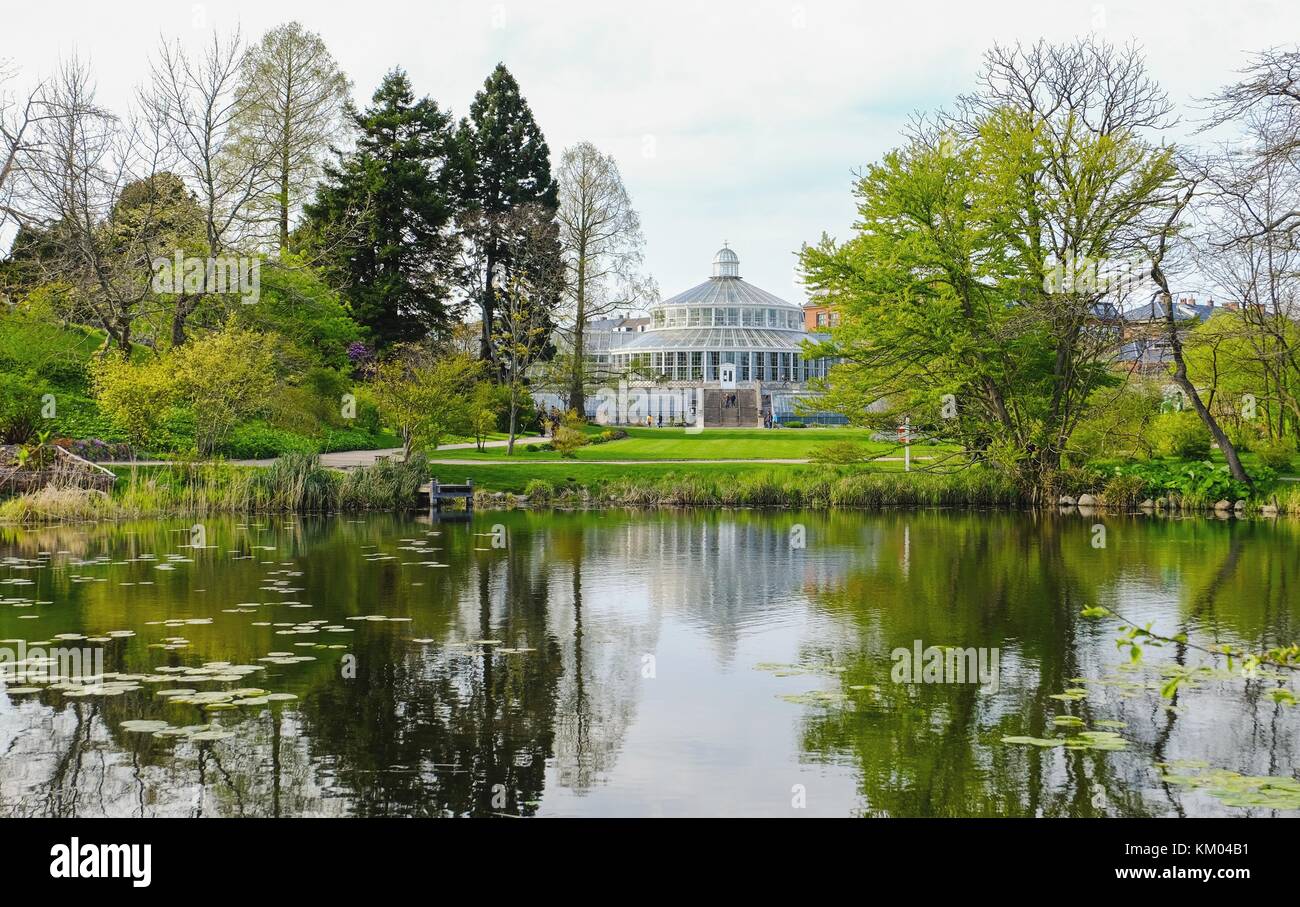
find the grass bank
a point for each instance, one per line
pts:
(295, 483)
(769, 486)
(709, 444)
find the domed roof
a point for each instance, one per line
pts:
(726, 263)
(725, 288)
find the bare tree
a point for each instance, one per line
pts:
(1247, 189)
(85, 158)
(198, 103)
(1268, 98)
(293, 97)
(21, 117)
(601, 241)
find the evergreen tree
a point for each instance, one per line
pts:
(382, 221)
(507, 181)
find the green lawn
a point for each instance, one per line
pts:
(710, 444)
(509, 477)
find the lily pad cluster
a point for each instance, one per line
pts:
(1234, 789)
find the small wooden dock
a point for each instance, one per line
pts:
(438, 492)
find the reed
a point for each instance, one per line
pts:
(296, 483)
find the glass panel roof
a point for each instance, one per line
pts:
(710, 339)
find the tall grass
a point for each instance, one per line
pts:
(296, 483)
(812, 489)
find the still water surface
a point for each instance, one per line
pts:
(614, 664)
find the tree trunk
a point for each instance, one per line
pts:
(577, 397)
(1181, 379)
(284, 182)
(487, 308)
(178, 321)
(514, 418)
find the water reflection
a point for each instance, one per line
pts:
(620, 664)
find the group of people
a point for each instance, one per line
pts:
(729, 401)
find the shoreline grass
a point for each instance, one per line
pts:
(295, 483)
(299, 484)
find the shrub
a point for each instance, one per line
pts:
(793, 423)
(839, 452)
(1124, 490)
(260, 441)
(1182, 435)
(1278, 454)
(20, 407)
(1077, 480)
(569, 436)
(224, 377)
(609, 434)
(357, 438)
(134, 396)
(539, 490)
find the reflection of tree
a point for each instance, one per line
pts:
(1019, 584)
(442, 728)
(602, 644)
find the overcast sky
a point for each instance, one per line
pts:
(731, 121)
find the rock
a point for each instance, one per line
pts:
(1222, 505)
(1239, 506)
(1065, 501)
(1148, 504)
(1268, 510)
(1162, 504)
(1087, 500)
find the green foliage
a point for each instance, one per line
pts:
(223, 377)
(1124, 490)
(426, 397)
(380, 219)
(1077, 480)
(20, 407)
(487, 403)
(383, 486)
(135, 396)
(539, 491)
(948, 312)
(1180, 434)
(793, 423)
(508, 194)
(1117, 424)
(310, 318)
(1278, 454)
(1197, 483)
(256, 440)
(839, 452)
(569, 436)
(356, 438)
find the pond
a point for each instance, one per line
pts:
(645, 664)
